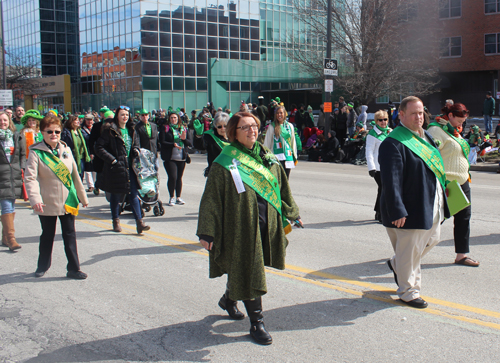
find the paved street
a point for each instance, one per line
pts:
(150, 299)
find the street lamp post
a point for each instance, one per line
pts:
(328, 96)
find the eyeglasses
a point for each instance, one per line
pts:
(382, 119)
(50, 132)
(221, 126)
(247, 127)
(124, 108)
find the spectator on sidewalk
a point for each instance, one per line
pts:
(488, 111)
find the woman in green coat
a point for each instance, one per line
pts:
(243, 219)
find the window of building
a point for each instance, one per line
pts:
(407, 12)
(451, 47)
(450, 9)
(492, 43)
(491, 6)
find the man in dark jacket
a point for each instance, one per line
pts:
(488, 111)
(97, 162)
(262, 112)
(413, 202)
(146, 133)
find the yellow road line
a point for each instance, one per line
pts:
(169, 240)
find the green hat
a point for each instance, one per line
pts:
(143, 111)
(31, 113)
(170, 109)
(474, 128)
(54, 111)
(109, 114)
(373, 123)
(104, 109)
(350, 104)
(359, 124)
(81, 116)
(277, 99)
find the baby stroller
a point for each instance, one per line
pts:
(145, 166)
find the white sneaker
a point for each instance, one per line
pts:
(180, 201)
(171, 203)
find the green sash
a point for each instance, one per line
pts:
(285, 147)
(256, 176)
(57, 166)
(425, 151)
(217, 139)
(463, 144)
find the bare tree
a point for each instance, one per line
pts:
(380, 47)
(21, 72)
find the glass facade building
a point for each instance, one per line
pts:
(156, 53)
(43, 36)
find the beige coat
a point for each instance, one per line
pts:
(43, 186)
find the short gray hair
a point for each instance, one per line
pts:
(450, 102)
(221, 117)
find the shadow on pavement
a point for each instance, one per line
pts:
(348, 223)
(190, 341)
(138, 252)
(491, 239)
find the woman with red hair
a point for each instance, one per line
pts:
(455, 152)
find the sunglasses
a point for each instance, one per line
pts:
(221, 126)
(124, 108)
(50, 132)
(382, 119)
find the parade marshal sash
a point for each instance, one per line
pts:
(256, 176)
(56, 165)
(463, 144)
(425, 151)
(219, 142)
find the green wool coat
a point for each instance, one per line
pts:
(232, 219)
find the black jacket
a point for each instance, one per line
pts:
(408, 186)
(142, 139)
(109, 147)
(213, 149)
(10, 173)
(167, 142)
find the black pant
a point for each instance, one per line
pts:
(175, 170)
(461, 224)
(48, 224)
(378, 180)
(287, 171)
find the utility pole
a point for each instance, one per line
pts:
(4, 76)
(328, 96)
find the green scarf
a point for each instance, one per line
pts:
(78, 156)
(177, 131)
(425, 151)
(463, 143)
(63, 174)
(221, 143)
(254, 174)
(382, 135)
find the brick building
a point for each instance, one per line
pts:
(468, 43)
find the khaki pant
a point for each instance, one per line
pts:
(410, 245)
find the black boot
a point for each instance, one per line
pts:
(229, 305)
(257, 329)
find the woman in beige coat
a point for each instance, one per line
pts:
(55, 190)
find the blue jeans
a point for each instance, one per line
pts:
(7, 206)
(350, 130)
(115, 199)
(488, 123)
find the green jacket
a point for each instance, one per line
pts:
(489, 106)
(232, 219)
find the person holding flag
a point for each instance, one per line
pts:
(244, 218)
(280, 139)
(55, 190)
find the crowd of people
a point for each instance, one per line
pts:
(250, 154)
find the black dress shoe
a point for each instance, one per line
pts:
(77, 275)
(418, 303)
(394, 272)
(39, 273)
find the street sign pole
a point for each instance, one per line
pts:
(328, 95)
